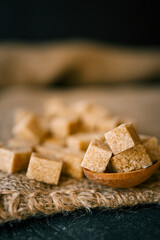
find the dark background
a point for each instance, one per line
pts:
(124, 224)
(133, 23)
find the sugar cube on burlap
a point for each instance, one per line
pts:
(14, 159)
(45, 169)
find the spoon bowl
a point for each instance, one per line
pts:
(122, 180)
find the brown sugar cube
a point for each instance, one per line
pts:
(130, 160)
(64, 126)
(84, 106)
(98, 110)
(89, 122)
(57, 107)
(81, 106)
(17, 142)
(13, 160)
(80, 141)
(21, 114)
(71, 159)
(44, 169)
(152, 148)
(52, 141)
(144, 138)
(72, 162)
(29, 128)
(44, 123)
(93, 116)
(122, 138)
(97, 156)
(89, 113)
(107, 124)
(48, 149)
(52, 106)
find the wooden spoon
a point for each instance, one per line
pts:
(122, 180)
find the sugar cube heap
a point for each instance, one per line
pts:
(67, 137)
(123, 151)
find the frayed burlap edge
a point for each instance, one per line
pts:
(22, 204)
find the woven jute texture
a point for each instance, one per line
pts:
(21, 197)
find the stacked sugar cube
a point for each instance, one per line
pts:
(123, 151)
(66, 137)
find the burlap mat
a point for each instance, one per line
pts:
(21, 197)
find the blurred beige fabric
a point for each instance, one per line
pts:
(75, 61)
